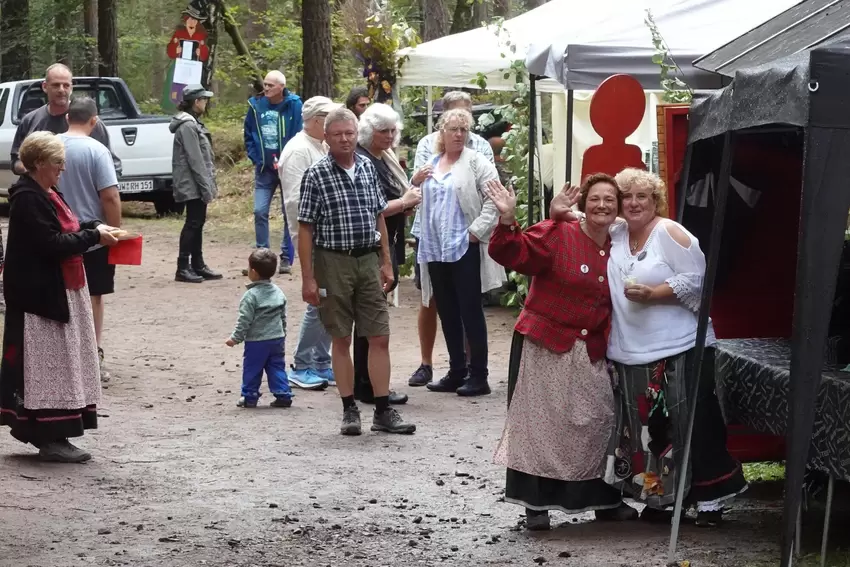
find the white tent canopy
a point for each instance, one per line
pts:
(456, 60)
(579, 44)
(623, 43)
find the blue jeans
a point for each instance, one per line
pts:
(266, 184)
(268, 356)
(314, 343)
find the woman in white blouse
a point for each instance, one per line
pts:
(655, 273)
(453, 225)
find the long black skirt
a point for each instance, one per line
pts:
(541, 493)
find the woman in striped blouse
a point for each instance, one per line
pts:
(456, 220)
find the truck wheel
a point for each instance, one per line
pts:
(165, 206)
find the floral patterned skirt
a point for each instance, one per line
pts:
(50, 376)
(559, 424)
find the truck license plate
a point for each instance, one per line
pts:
(137, 186)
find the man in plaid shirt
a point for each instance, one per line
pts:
(340, 236)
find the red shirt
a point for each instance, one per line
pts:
(73, 271)
(569, 297)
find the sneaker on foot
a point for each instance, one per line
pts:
(281, 402)
(423, 375)
(390, 421)
(710, 519)
(243, 403)
(104, 375)
(537, 521)
(307, 380)
(62, 452)
(284, 267)
(350, 421)
(326, 374)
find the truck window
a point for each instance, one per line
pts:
(4, 102)
(108, 103)
(33, 99)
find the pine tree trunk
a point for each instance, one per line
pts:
(212, 42)
(64, 23)
(462, 19)
(482, 12)
(107, 38)
(502, 8)
(14, 31)
(257, 24)
(231, 28)
(90, 37)
(317, 56)
(435, 19)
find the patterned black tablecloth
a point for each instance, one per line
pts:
(754, 377)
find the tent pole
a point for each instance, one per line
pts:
(798, 531)
(570, 110)
(829, 494)
(532, 119)
(702, 326)
(538, 139)
(682, 191)
(430, 109)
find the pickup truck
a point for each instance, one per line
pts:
(142, 142)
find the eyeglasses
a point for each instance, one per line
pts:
(457, 130)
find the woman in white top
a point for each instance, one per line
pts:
(655, 273)
(454, 222)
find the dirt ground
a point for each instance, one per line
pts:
(182, 477)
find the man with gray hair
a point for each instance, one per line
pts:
(273, 119)
(342, 233)
(311, 363)
(427, 321)
(58, 86)
(90, 188)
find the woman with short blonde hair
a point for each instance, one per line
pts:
(454, 227)
(50, 374)
(655, 275)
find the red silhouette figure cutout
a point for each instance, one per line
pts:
(616, 111)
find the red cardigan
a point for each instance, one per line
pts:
(569, 297)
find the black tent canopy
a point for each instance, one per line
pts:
(808, 92)
(799, 28)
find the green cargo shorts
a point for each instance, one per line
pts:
(353, 294)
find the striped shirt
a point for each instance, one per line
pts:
(443, 230)
(343, 210)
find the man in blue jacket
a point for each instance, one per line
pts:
(272, 120)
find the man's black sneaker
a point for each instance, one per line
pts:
(284, 267)
(281, 403)
(350, 421)
(423, 375)
(390, 421)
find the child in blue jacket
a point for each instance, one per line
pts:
(262, 327)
